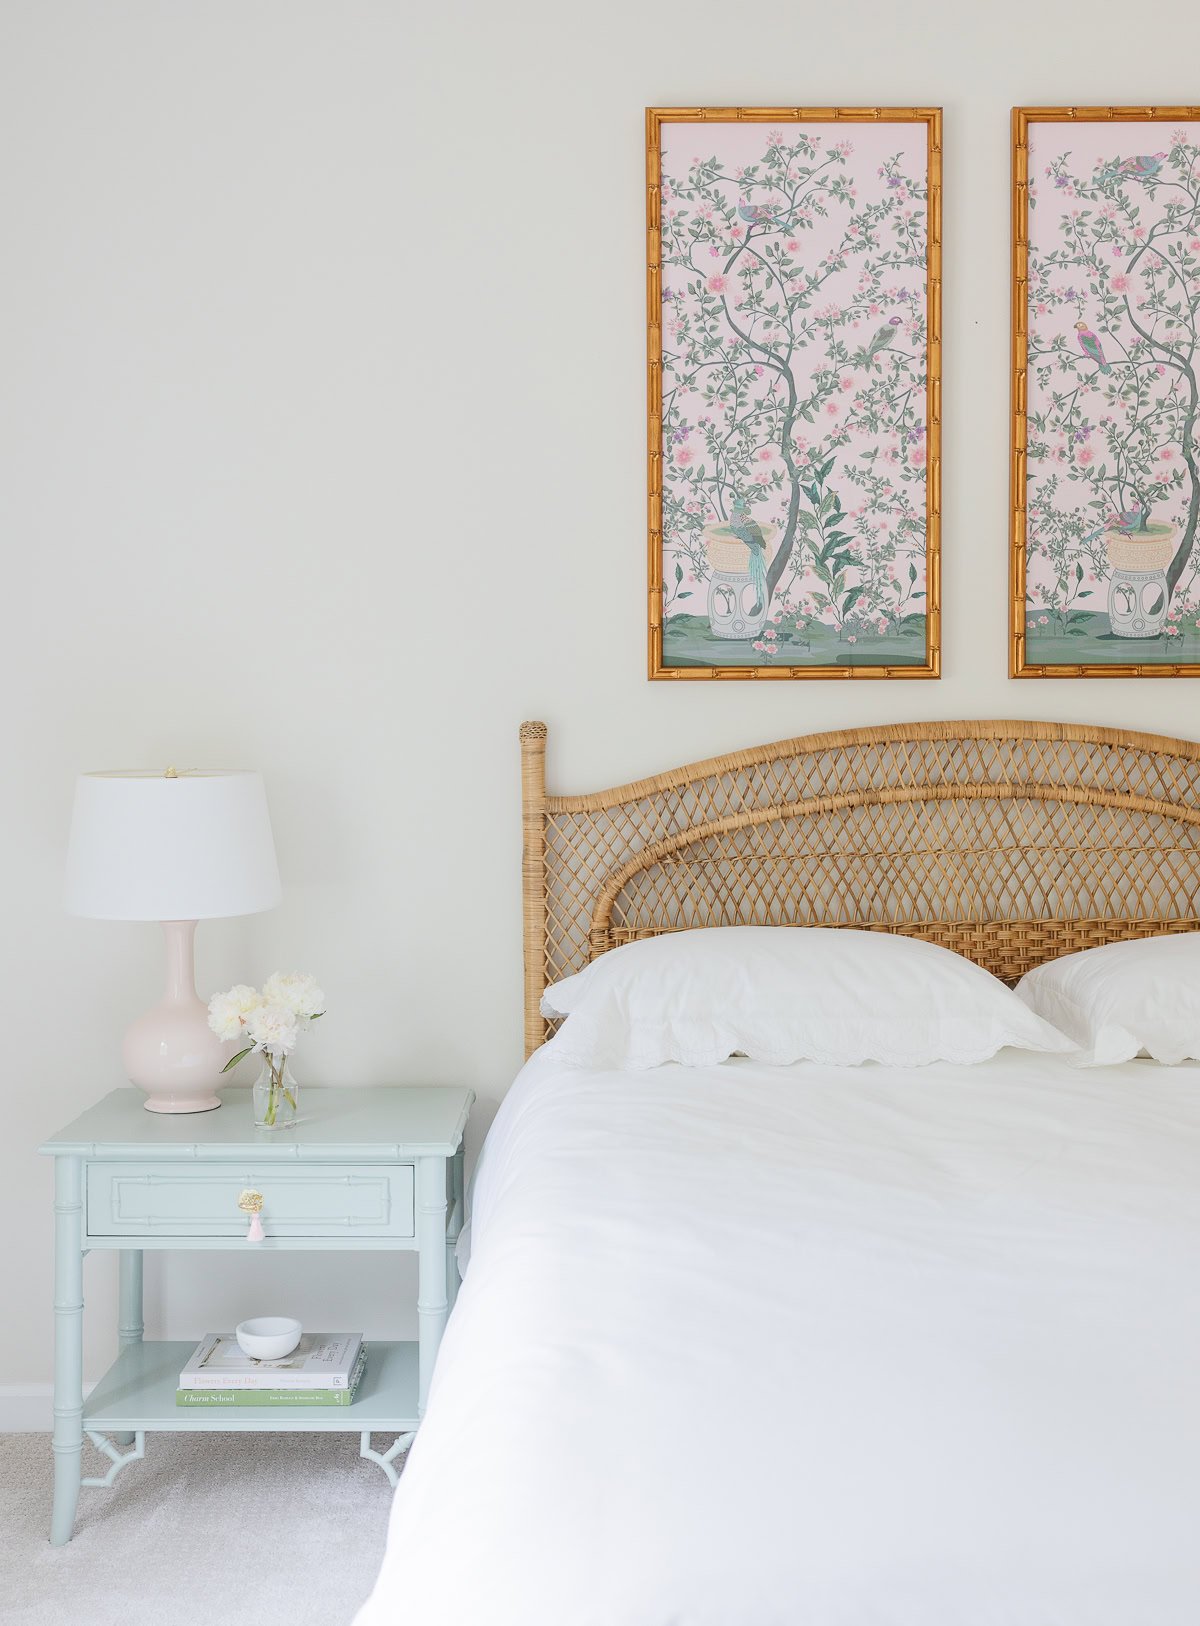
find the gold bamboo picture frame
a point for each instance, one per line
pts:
(1105, 471)
(794, 392)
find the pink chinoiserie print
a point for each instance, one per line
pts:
(1112, 572)
(795, 439)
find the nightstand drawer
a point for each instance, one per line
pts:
(323, 1200)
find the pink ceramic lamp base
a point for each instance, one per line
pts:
(170, 1051)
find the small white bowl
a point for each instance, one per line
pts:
(268, 1337)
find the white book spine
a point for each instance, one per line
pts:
(263, 1380)
(267, 1377)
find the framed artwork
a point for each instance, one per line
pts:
(794, 320)
(1105, 570)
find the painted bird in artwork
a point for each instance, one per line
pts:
(1144, 168)
(1129, 520)
(885, 336)
(750, 532)
(757, 214)
(1090, 345)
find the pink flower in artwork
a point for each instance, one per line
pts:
(758, 644)
(1194, 245)
(852, 639)
(1085, 455)
(717, 284)
(793, 247)
(765, 454)
(846, 384)
(1172, 632)
(1119, 285)
(831, 409)
(1043, 620)
(684, 455)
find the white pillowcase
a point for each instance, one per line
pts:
(1124, 1000)
(788, 993)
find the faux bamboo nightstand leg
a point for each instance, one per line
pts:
(432, 1305)
(454, 1227)
(129, 1327)
(68, 1345)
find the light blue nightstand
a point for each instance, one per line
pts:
(377, 1169)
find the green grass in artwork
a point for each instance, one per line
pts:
(1089, 641)
(688, 641)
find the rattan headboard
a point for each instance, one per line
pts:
(1009, 842)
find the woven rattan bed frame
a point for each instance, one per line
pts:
(1010, 842)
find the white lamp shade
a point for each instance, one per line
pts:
(145, 846)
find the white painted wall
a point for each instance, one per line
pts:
(322, 436)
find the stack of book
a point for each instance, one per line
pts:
(324, 1369)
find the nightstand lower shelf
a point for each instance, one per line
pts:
(137, 1394)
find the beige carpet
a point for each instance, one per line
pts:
(219, 1529)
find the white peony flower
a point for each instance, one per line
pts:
(227, 1012)
(297, 991)
(274, 1028)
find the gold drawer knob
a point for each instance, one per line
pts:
(251, 1202)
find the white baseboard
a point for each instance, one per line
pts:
(28, 1408)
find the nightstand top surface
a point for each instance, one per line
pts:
(380, 1124)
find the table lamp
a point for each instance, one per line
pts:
(176, 847)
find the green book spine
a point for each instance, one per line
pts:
(264, 1397)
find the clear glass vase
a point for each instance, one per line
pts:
(276, 1094)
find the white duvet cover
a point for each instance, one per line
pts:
(751, 1345)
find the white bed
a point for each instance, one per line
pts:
(751, 1344)
(802, 1345)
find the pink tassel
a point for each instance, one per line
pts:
(256, 1232)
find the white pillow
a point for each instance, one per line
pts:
(1124, 1000)
(788, 993)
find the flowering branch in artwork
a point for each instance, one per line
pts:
(1114, 296)
(794, 381)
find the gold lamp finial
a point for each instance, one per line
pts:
(172, 772)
